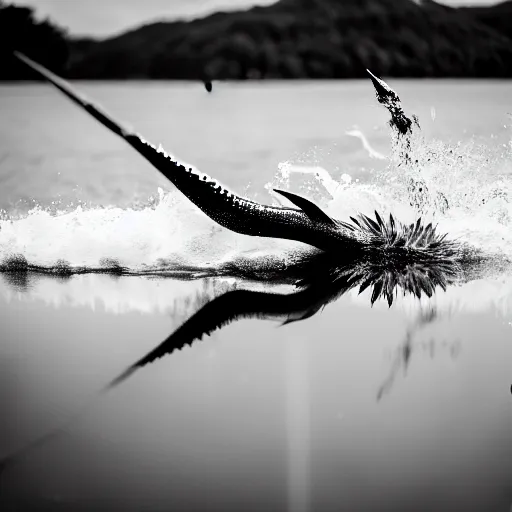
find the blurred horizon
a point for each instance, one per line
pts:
(118, 16)
(288, 39)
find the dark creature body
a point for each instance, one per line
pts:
(360, 238)
(382, 253)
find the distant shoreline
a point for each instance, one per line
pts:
(291, 39)
(260, 81)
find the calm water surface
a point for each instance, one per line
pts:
(355, 408)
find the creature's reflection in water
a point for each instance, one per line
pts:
(323, 280)
(319, 280)
(403, 353)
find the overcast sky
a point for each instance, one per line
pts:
(108, 17)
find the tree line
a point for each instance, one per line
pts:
(287, 40)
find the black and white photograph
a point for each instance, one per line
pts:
(256, 255)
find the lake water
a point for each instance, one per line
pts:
(361, 408)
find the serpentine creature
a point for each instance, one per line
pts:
(383, 254)
(361, 238)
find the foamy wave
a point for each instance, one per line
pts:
(170, 233)
(468, 191)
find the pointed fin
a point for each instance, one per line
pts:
(313, 211)
(382, 89)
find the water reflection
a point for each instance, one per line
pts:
(308, 403)
(403, 353)
(18, 281)
(324, 280)
(318, 278)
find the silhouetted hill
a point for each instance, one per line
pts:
(497, 17)
(307, 39)
(43, 41)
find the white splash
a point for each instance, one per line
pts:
(468, 194)
(372, 153)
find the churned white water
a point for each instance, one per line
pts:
(73, 193)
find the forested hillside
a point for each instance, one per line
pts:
(290, 39)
